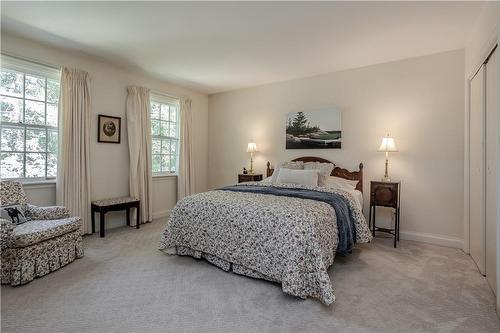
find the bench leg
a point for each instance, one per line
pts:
(128, 216)
(102, 223)
(93, 220)
(138, 223)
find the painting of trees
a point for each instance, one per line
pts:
(308, 130)
(299, 125)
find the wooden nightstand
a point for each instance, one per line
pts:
(385, 194)
(249, 178)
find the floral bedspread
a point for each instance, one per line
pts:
(279, 238)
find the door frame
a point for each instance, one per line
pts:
(466, 213)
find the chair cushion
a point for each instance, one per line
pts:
(36, 231)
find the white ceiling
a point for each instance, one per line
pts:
(214, 47)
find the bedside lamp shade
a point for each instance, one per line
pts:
(252, 147)
(387, 146)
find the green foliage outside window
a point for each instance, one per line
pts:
(164, 132)
(28, 125)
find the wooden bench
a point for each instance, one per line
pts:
(115, 204)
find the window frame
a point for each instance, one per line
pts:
(162, 99)
(28, 68)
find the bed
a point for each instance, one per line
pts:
(284, 233)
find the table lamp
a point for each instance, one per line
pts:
(251, 148)
(387, 146)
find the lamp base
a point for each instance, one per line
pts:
(386, 173)
(250, 172)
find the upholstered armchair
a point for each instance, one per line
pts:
(34, 240)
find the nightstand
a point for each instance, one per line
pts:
(385, 194)
(249, 178)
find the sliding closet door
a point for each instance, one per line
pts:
(491, 169)
(477, 207)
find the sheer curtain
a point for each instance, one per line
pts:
(185, 179)
(73, 172)
(139, 144)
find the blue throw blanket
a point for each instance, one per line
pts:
(345, 220)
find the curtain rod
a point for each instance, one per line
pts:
(156, 92)
(12, 55)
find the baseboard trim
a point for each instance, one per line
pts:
(498, 307)
(433, 239)
(161, 214)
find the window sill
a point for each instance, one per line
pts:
(39, 183)
(174, 175)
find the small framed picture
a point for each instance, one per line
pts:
(109, 129)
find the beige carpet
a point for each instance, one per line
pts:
(124, 284)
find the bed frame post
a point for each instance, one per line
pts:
(361, 177)
(269, 171)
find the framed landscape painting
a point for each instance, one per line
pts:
(314, 130)
(109, 129)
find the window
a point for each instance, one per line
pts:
(165, 135)
(29, 96)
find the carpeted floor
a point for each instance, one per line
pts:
(124, 284)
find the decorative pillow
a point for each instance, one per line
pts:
(13, 213)
(267, 180)
(286, 165)
(341, 183)
(301, 177)
(325, 170)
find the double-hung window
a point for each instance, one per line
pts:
(29, 96)
(165, 135)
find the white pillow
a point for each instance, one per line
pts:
(267, 180)
(286, 165)
(341, 183)
(300, 177)
(325, 170)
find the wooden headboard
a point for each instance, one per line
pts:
(337, 171)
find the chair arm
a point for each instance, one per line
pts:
(6, 229)
(46, 213)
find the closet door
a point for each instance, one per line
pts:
(477, 218)
(491, 169)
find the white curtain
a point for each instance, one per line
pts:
(73, 174)
(185, 179)
(139, 144)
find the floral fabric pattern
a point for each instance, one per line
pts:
(276, 238)
(114, 201)
(22, 265)
(12, 193)
(6, 229)
(46, 213)
(36, 231)
(49, 240)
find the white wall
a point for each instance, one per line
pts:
(482, 37)
(419, 101)
(110, 162)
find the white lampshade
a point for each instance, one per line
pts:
(388, 145)
(252, 147)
